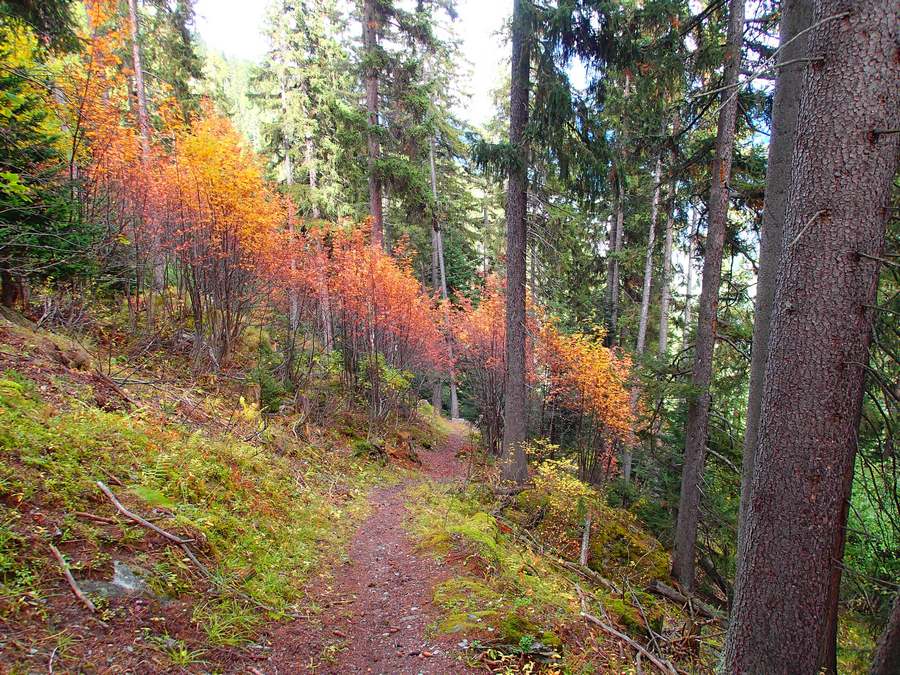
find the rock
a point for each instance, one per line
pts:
(125, 582)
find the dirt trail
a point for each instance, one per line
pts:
(376, 613)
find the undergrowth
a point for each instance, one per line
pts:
(513, 594)
(262, 517)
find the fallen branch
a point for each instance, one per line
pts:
(676, 596)
(94, 517)
(141, 521)
(534, 545)
(183, 543)
(67, 573)
(663, 666)
(108, 381)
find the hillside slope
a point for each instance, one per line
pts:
(284, 545)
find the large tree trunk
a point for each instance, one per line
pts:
(837, 209)
(698, 408)
(796, 16)
(514, 466)
(887, 655)
(370, 26)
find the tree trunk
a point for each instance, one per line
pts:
(616, 235)
(689, 274)
(140, 92)
(648, 263)
(436, 278)
(796, 16)
(370, 26)
(514, 466)
(665, 293)
(10, 289)
(837, 209)
(887, 655)
(645, 307)
(698, 408)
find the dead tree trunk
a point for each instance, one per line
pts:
(616, 235)
(665, 292)
(838, 205)
(698, 408)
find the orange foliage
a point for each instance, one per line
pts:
(381, 303)
(584, 375)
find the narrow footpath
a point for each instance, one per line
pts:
(378, 606)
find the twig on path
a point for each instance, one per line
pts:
(76, 589)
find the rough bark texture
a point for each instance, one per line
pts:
(371, 23)
(698, 409)
(515, 422)
(887, 655)
(796, 15)
(819, 341)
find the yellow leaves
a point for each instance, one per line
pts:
(587, 376)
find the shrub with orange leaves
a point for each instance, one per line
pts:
(219, 219)
(578, 376)
(588, 379)
(382, 309)
(480, 345)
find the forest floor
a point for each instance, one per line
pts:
(378, 604)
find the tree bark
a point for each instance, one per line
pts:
(648, 262)
(370, 26)
(627, 455)
(437, 277)
(514, 466)
(796, 16)
(887, 655)
(665, 293)
(140, 92)
(689, 275)
(698, 408)
(837, 209)
(616, 235)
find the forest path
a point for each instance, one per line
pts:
(377, 609)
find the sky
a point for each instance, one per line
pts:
(235, 28)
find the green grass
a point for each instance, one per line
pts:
(262, 519)
(518, 595)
